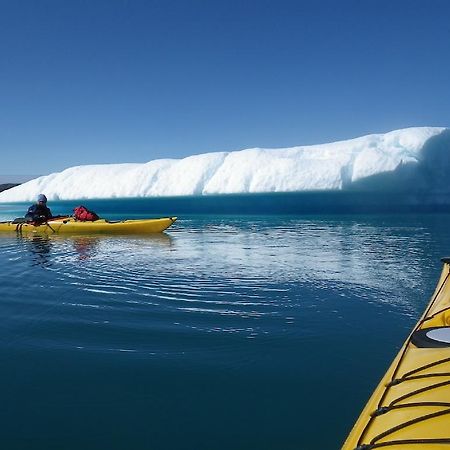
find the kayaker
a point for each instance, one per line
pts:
(39, 212)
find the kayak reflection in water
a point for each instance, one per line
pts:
(39, 212)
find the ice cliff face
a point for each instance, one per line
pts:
(333, 166)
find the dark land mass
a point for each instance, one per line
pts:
(5, 186)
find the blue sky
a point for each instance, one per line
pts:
(93, 81)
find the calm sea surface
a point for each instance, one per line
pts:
(225, 332)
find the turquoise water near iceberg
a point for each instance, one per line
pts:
(227, 331)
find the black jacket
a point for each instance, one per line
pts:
(38, 213)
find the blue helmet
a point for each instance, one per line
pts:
(42, 198)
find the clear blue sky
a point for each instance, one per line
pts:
(107, 81)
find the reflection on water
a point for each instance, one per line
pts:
(85, 246)
(39, 247)
(223, 275)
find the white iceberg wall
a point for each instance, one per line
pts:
(186, 176)
(316, 167)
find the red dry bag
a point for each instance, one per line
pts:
(82, 214)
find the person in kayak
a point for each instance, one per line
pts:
(39, 212)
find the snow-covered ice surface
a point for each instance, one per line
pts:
(333, 166)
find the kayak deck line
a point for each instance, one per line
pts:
(69, 225)
(411, 404)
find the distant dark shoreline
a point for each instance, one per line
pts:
(5, 186)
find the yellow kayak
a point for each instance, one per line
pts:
(69, 225)
(410, 408)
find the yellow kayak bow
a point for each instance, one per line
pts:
(410, 408)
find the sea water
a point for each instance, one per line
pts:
(225, 332)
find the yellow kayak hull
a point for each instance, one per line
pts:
(410, 408)
(71, 226)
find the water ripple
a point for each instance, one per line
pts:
(163, 295)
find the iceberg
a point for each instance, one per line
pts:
(412, 156)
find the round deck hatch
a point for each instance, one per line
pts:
(431, 337)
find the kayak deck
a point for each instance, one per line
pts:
(410, 408)
(70, 225)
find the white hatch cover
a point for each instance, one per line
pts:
(439, 334)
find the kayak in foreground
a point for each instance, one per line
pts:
(69, 225)
(410, 408)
